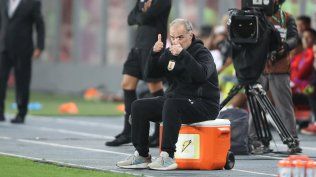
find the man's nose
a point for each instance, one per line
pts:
(176, 41)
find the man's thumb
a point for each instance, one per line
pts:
(159, 37)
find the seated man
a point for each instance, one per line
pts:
(192, 96)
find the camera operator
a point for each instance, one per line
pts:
(192, 96)
(276, 76)
(151, 17)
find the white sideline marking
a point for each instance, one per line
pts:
(69, 164)
(73, 132)
(303, 147)
(64, 131)
(272, 157)
(78, 122)
(5, 138)
(72, 147)
(253, 172)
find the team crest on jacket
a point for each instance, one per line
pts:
(171, 65)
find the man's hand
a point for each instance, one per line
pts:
(158, 45)
(176, 49)
(147, 5)
(37, 53)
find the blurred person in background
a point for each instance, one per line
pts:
(310, 91)
(17, 20)
(205, 35)
(220, 43)
(303, 23)
(302, 63)
(192, 96)
(216, 39)
(151, 17)
(276, 78)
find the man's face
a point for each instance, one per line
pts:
(308, 39)
(301, 26)
(179, 35)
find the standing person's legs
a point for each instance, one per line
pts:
(131, 75)
(156, 89)
(5, 67)
(310, 129)
(129, 84)
(312, 104)
(22, 71)
(282, 97)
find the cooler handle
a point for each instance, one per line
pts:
(224, 131)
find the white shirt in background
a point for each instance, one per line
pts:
(218, 59)
(13, 5)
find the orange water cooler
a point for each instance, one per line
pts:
(204, 146)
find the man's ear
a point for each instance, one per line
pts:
(191, 35)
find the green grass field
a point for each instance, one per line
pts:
(17, 167)
(51, 102)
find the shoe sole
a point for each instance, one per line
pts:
(307, 132)
(138, 166)
(171, 167)
(111, 145)
(295, 151)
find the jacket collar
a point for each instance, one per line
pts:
(17, 9)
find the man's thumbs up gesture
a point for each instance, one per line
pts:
(158, 45)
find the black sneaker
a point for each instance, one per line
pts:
(257, 148)
(18, 120)
(122, 139)
(2, 118)
(295, 150)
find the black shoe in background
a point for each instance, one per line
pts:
(2, 118)
(295, 150)
(120, 140)
(18, 120)
(154, 141)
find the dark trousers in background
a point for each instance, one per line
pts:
(22, 70)
(279, 86)
(172, 112)
(312, 103)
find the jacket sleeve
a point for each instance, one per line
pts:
(157, 7)
(131, 20)
(292, 34)
(199, 68)
(39, 25)
(152, 68)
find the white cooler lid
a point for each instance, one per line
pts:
(216, 122)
